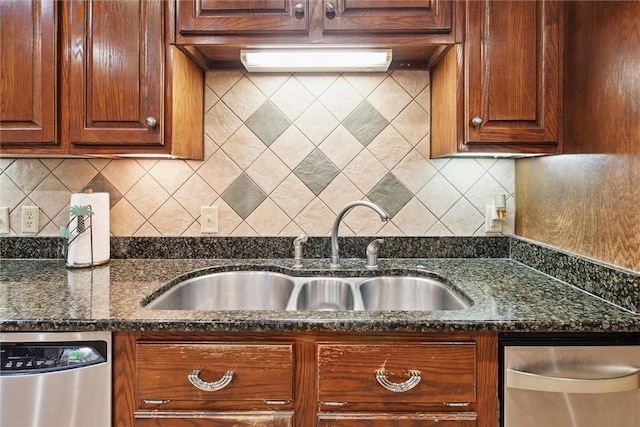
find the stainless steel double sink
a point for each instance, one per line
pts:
(267, 290)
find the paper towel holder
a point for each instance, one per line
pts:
(81, 214)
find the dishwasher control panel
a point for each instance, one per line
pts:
(36, 358)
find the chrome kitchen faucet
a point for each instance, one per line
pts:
(335, 250)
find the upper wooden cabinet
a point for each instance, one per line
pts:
(28, 93)
(115, 76)
(388, 16)
(499, 91)
(212, 32)
(226, 17)
(123, 90)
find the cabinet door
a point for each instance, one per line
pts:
(512, 54)
(28, 73)
(398, 420)
(382, 374)
(192, 375)
(217, 420)
(388, 16)
(115, 72)
(242, 17)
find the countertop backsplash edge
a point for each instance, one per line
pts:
(616, 285)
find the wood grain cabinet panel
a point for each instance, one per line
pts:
(499, 91)
(305, 379)
(261, 372)
(115, 72)
(388, 16)
(347, 372)
(217, 420)
(462, 419)
(28, 72)
(212, 32)
(97, 77)
(227, 17)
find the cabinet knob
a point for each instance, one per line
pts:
(330, 10)
(298, 8)
(151, 122)
(476, 121)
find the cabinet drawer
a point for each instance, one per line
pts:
(442, 419)
(273, 419)
(261, 372)
(446, 372)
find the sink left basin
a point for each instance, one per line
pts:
(232, 290)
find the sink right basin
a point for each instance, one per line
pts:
(408, 293)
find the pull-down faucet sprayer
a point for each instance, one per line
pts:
(335, 250)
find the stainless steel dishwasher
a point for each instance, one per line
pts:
(577, 381)
(57, 379)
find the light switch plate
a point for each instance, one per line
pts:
(208, 219)
(4, 220)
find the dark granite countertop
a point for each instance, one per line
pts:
(507, 295)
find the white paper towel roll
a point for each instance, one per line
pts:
(79, 253)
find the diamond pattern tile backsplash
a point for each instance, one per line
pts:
(283, 154)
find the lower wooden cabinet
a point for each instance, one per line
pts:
(305, 379)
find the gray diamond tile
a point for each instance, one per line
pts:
(316, 171)
(390, 194)
(100, 184)
(267, 123)
(243, 196)
(365, 123)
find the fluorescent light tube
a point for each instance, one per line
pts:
(314, 60)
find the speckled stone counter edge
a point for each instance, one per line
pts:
(618, 286)
(265, 247)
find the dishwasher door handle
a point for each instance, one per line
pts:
(621, 379)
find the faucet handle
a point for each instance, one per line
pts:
(297, 250)
(372, 253)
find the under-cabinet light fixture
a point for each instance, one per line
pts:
(315, 60)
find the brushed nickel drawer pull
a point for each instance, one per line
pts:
(277, 402)
(156, 401)
(456, 404)
(334, 403)
(194, 378)
(414, 379)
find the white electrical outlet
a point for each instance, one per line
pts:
(208, 219)
(30, 219)
(4, 221)
(491, 225)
